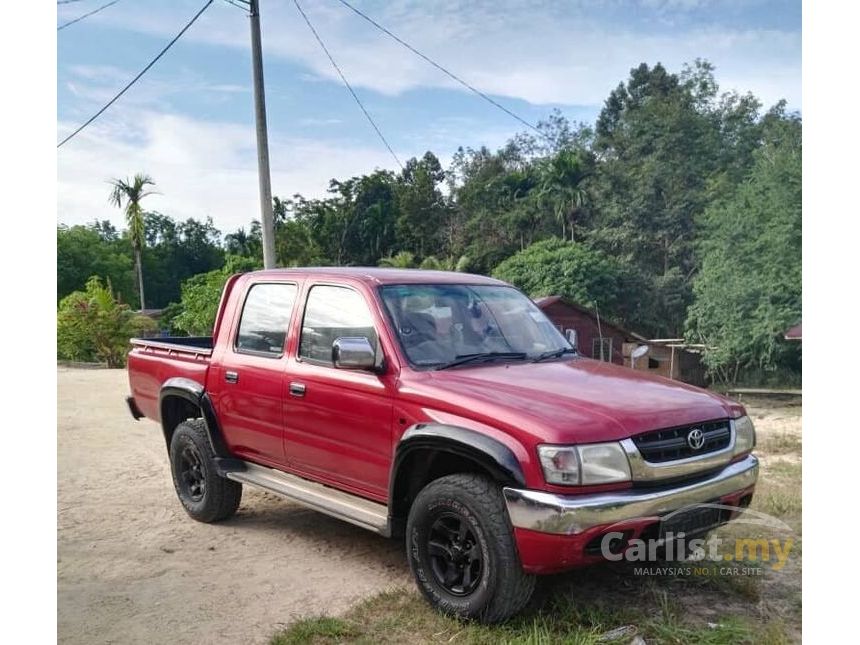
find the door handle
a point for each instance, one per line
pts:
(231, 377)
(297, 389)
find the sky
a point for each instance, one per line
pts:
(189, 122)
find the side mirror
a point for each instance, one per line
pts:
(353, 353)
(570, 334)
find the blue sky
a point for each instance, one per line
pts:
(189, 121)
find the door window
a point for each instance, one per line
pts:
(265, 319)
(331, 313)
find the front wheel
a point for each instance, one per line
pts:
(462, 552)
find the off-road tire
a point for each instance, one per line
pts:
(217, 498)
(476, 501)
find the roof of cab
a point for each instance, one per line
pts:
(379, 275)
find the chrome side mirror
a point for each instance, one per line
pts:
(570, 334)
(353, 353)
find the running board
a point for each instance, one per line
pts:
(344, 506)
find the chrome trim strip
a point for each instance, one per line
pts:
(642, 470)
(572, 514)
(344, 506)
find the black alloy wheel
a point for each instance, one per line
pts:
(191, 475)
(455, 555)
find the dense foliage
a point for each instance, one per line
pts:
(677, 213)
(748, 290)
(201, 294)
(93, 326)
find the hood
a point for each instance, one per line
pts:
(578, 400)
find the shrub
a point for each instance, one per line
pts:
(93, 326)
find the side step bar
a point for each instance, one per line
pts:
(344, 506)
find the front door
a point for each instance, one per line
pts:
(252, 387)
(338, 422)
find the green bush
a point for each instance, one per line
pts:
(93, 326)
(574, 271)
(201, 295)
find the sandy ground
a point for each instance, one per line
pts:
(134, 568)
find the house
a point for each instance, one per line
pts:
(605, 340)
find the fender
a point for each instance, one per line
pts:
(490, 453)
(194, 393)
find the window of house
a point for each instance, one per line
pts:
(330, 313)
(265, 319)
(601, 349)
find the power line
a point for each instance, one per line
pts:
(346, 83)
(444, 70)
(142, 72)
(86, 15)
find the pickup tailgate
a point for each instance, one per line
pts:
(152, 361)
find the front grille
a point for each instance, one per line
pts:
(671, 444)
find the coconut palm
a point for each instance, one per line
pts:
(130, 193)
(561, 186)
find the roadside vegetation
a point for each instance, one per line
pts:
(677, 213)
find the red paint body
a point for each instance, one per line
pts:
(345, 430)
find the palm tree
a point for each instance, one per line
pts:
(561, 185)
(132, 192)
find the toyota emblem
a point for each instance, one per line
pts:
(696, 439)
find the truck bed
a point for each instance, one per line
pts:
(154, 360)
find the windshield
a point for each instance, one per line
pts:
(438, 324)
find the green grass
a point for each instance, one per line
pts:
(402, 616)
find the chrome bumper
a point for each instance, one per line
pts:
(572, 514)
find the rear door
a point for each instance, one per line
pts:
(252, 387)
(338, 422)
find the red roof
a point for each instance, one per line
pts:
(381, 275)
(793, 333)
(546, 301)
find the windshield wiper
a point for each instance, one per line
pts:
(553, 353)
(463, 359)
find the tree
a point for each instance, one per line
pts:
(132, 193)
(749, 288)
(93, 326)
(201, 294)
(562, 186)
(572, 270)
(85, 251)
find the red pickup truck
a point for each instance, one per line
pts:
(440, 407)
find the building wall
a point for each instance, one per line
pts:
(566, 317)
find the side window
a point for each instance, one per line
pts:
(332, 313)
(265, 318)
(601, 349)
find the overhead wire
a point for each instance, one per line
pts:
(445, 71)
(142, 72)
(347, 84)
(86, 15)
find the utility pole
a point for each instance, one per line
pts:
(267, 217)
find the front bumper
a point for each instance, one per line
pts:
(559, 532)
(574, 514)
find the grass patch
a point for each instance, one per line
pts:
(779, 443)
(321, 629)
(403, 616)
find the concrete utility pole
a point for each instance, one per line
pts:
(267, 217)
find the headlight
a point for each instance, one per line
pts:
(596, 463)
(744, 435)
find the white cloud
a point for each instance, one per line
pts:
(201, 167)
(549, 54)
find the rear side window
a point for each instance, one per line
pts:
(332, 313)
(265, 318)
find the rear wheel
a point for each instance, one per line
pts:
(461, 549)
(205, 495)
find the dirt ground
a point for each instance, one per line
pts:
(133, 568)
